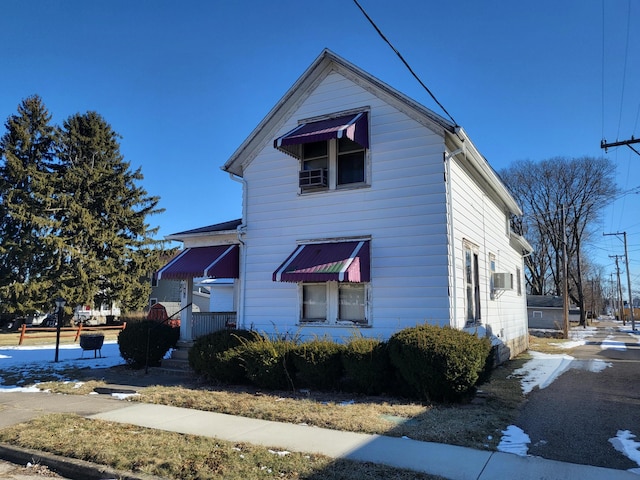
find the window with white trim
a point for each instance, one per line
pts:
(334, 303)
(472, 283)
(492, 271)
(519, 281)
(332, 164)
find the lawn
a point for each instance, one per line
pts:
(477, 424)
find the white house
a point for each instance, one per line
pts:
(363, 210)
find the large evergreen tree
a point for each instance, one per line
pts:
(73, 216)
(26, 154)
(105, 245)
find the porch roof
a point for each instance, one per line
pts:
(219, 261)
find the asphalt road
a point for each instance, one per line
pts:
(573, 419)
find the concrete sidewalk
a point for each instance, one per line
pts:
(449, 461)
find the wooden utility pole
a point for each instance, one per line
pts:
(565, 268)
(626, 258)
(628, 143)
(619, 291)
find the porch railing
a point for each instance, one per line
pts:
(203, 323)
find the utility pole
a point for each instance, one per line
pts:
(628, 143)
(619, 291)
(626, 256)
(565, 272)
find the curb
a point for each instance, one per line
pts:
(71, 468)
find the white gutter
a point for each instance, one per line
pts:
(241, 230)
(447, 159)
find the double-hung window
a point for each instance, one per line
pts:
(333, 280)
(332, 152)
(334, 302)
(472, 283)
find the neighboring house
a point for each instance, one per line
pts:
(364, 212)
(547, 312)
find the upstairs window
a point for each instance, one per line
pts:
(332, 152)
(351, 164)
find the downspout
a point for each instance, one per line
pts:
(447, 160)
(241, 230)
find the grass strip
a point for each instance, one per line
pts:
(172, 455)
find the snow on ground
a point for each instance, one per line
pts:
(24, 365)
(543, 369)
(28, 364)
(624, 442)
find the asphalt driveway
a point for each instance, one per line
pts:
(573, 419)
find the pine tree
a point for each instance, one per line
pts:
(26, 202)
(106, 249)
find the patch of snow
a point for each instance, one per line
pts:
(594, 365)
(515, 441)
(570, 344)
(623, 442)
(610, 344)
(542, 370)
(123, 396)
(280, 453)
(27, 362)
(580, 333)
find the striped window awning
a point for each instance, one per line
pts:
(355, 127)
(324, 262)
(219, 261)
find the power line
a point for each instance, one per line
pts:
(405, 62)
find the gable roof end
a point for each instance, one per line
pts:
(326, 62)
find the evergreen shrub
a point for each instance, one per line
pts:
(436, 363)
(366, 365)
(133, 341)
(214, 356)
(267, 362)
(318, 363)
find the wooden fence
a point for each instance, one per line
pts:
(25, 333)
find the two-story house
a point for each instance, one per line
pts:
(363, 211)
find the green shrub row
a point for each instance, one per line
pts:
(424, 362)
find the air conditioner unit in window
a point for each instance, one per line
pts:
(313, 178)
(503, 281)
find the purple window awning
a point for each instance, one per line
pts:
(324, 262)
(355, 127)
(220, 261)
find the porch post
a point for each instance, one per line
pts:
(186, 330)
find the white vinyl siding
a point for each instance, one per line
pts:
(478, 218)
(403, 211)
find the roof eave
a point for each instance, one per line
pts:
(461, 140)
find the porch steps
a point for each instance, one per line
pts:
(178, 363)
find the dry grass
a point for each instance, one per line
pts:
(477, 424)
(548, 345)
(177, 456)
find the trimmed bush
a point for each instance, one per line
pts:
(441, 364)
(266, 362)
(367, 366)
(133, 341)
(318, 364)
(214, 356)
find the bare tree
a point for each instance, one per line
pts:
(579, 188)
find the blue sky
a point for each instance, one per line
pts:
(185, 82)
